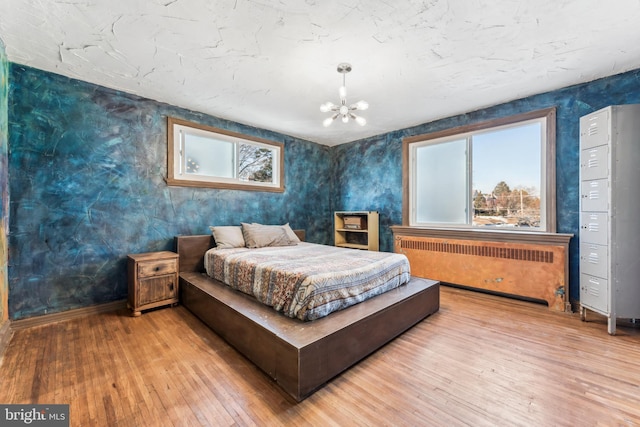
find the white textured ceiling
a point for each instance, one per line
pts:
(271, 64)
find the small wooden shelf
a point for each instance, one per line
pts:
(356, 229)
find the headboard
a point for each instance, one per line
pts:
(191, 249)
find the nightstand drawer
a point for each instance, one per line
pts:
(157, 268)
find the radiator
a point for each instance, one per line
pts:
(534, 271)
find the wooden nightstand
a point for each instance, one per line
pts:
(153, 280)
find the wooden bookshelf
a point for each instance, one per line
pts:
(356, 230)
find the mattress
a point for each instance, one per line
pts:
(307, 281)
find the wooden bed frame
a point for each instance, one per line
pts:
(299, 356)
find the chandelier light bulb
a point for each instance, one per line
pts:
(362, 105)
(326, 107)
(342, 92)
(343, 110)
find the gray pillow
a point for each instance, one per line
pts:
(293, 237)
(228, 236)
(260, 236)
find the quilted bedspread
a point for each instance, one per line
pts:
(308, 281)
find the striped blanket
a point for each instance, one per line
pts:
(308, 281)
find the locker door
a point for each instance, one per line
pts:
(594, 227)
(594, 260)
(593, 293)
(594, 129)
(594, 195)
(594, 163)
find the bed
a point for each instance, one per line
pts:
(300, 356)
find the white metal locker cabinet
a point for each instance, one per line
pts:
(610, 213)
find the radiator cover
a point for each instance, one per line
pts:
(532, 270)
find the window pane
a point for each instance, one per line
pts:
(506, 178)
(256, 163)
(441, 183)
(204, 156)
(208, 156)
(509, 174)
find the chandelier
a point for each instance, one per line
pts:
(344, 111)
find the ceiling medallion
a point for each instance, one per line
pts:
(344, 111)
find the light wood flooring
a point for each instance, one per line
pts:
(481, 360)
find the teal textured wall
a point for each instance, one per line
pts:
(4, 183)
(87, 167)
(375, 164)
(87, 187)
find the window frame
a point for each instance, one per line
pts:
(548, 205)
(174, 178)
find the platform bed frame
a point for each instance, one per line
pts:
(299, 356)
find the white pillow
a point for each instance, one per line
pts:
(228, 236)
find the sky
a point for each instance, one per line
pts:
(511, 154)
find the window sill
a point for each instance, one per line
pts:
(222, 185)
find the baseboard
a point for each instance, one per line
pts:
(67, 315)
(5, 336)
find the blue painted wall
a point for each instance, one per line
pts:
(4, 183)
(87, 167)
(368, 173)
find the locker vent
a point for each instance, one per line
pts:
(479, 250)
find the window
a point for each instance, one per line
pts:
(497, 174)
(203, 156)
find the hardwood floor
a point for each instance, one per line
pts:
(481, 360)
